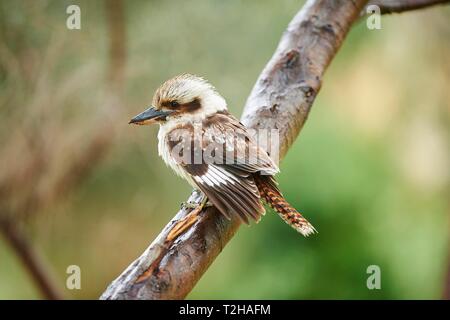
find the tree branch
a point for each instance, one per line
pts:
(17, 200)
(32, 261)
(281, 99)
(115, 13)
(398, 6)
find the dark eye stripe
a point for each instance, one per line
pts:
(191, 106)
(185, 107)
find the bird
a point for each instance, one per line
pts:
(215, 153)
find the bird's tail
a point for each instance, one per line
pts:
(272, 195)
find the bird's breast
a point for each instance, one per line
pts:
(165, 152)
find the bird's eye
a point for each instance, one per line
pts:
(174, 104)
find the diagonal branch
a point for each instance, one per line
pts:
(281, 99)
(31, 260)
(18, 197)
(398, 6)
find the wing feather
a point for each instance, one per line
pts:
(229, 184)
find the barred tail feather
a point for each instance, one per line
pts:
(292, 217)
(270, 193)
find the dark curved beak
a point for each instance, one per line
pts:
(150, 116)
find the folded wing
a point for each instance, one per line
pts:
(231, 159)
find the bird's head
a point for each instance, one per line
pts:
(185, 97)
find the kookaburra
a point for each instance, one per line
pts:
(206, 145)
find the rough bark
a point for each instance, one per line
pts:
(281, 99)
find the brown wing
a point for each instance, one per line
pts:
(230, 158)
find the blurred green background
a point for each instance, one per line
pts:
(370, 168)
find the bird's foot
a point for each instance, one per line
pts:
(194, 205)
(182, 225)
(189, 205)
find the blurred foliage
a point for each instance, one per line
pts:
(370, 168)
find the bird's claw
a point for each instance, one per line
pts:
(193, 205)
(189, 205)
